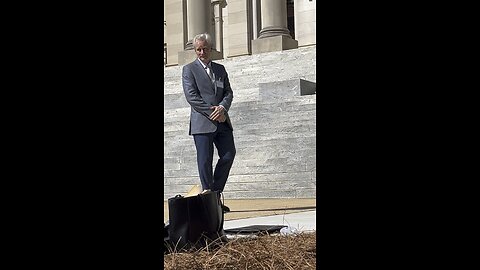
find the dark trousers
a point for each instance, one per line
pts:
(223, 141)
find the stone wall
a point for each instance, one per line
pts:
(239, 26)
(274, 119)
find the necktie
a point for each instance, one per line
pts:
(210, 73)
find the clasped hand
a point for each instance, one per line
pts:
(218, 114)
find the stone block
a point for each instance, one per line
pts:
(272, 44)
(288, 88)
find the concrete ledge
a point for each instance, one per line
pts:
(248, 208)
(288, 88)
(304, 221)
(272, 44)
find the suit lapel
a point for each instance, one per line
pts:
(204, 71)
(201, 69)
(214, 70)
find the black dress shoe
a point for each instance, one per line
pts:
(225, 208)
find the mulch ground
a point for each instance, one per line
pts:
(291, 252)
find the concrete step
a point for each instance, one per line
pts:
(250, 208)
(274, 128)
(249, 71)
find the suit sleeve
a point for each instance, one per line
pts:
(227, 94)
(192, 94)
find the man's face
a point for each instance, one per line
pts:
(202, 50)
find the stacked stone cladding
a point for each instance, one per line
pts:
(275, 137)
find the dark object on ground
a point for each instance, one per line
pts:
(196, 221)
(256, 229)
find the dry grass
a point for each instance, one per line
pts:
(292, 252)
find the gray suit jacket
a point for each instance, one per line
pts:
(201, 94)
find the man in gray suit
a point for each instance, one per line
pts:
(207, 90)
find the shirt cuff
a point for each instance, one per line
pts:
(223, 107)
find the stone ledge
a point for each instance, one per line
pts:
(288, 88)
(271, 44)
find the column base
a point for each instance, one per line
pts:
(273, 44)
(188, 56)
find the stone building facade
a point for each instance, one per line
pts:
(268, 48)
(239, 27)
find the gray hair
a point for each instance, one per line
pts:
(203, 37)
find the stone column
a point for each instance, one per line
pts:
(198, 21)
(198, 18)
(274, 35)
(305, 22)
(255, 18)
(175, 30)
(218, 17)
(239, 30)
